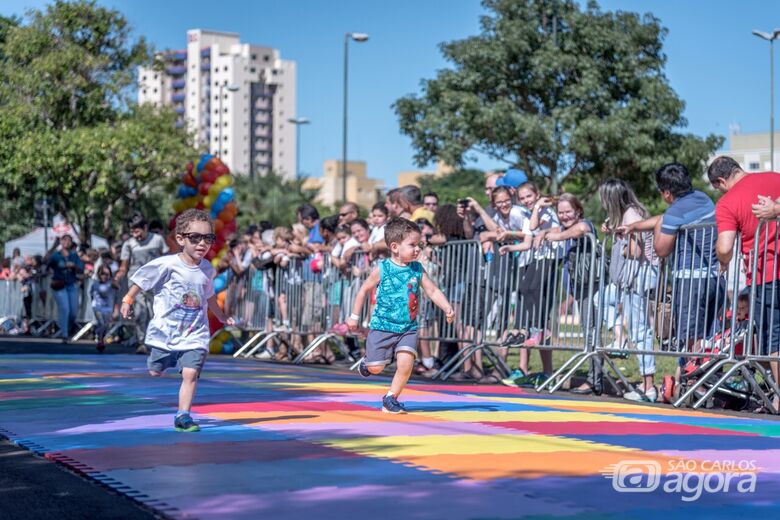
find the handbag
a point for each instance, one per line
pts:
(57, 285)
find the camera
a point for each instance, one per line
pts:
(463, 203)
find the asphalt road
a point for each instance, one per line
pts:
(33, 488)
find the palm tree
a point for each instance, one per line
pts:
(270, 197)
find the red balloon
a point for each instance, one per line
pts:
(208, 176)
(200, 205)
(231, 227)
(189, 167)
(221, 169)
(172, 224)
(214, 323)
(211, 254)
(204, 188)
(189, 180)
(218, 225)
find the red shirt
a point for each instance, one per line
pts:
(734, 212)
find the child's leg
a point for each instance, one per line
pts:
(404, 363)
(547, 365)
(523, 360)
(189, 382)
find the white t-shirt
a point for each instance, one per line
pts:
(181, 293)
(517, 220)
(377, 235)
(339, 250)
(140, 253)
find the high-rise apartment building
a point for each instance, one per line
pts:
(234, 98)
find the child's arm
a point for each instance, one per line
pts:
(369, 285)
(127, 301)
(214, 308)
(437, 297)
(525, 245)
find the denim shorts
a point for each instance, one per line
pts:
(381, 346)
(159, 360)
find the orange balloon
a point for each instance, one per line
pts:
(218, 225)
(221, 299)
(225, 216)
(212, 164)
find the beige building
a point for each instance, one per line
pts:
(751, 151)
(413, 177)
(363, 191)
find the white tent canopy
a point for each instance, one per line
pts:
(32, 242)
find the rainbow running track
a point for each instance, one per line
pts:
(283, 442)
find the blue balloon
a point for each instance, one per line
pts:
(218, 206)
(203, 160)
(191, 192)
(214, 214)
(181, 193)
(228, 192)
(219, 284)
(228, 347)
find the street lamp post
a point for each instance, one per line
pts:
(298, 121)
(771, 37)
(358, 37)
(231, 88)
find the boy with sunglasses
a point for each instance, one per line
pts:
(178, 334)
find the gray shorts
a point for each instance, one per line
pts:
(160, 359)
(381, 346)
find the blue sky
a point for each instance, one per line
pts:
(714, 63)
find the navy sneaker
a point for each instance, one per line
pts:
(391, 405)
(184, 423)
(363, 369)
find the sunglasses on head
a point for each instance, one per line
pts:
(195, 238)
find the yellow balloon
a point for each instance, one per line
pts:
(215, 262)
(214, 190)
(224, 335)
(215, 347)
(208, 201)
(179, 205)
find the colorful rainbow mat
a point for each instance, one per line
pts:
(283, 442)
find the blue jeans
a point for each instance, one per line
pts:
(634, 302)
(67, 300)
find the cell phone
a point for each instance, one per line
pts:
(428, 236)
(463, 202)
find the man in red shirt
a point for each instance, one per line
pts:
(734, 214)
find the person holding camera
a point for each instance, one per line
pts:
(66, 267)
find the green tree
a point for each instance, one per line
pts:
(570, 95)
(456, 185)
(269, 197)
(69, 127)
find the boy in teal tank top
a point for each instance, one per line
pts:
(393, 327)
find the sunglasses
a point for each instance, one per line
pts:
(195, 238)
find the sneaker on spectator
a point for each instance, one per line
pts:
(531, 380)
(391, 405)
(649, 396)
(340, 328)
(510, 379)
(141, 349)
(536, 338)
(265, 354)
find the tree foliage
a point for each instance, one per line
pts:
(69, 128)
(570, 95)
(269, 197)
(456, 185)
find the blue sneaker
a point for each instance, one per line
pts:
(363, 369)
(391, 405)
(184, 423)
(510, 379)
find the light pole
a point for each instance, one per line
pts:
(771, 37)
(358, 37)
(298, 121)
(231, 88)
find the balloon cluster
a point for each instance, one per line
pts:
(208, 186)
(223, 342)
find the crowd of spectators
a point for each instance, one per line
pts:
(538, 231)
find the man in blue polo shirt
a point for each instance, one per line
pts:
(687, 228)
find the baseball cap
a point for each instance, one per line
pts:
(512, 178)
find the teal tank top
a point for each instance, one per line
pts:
(397, 297)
